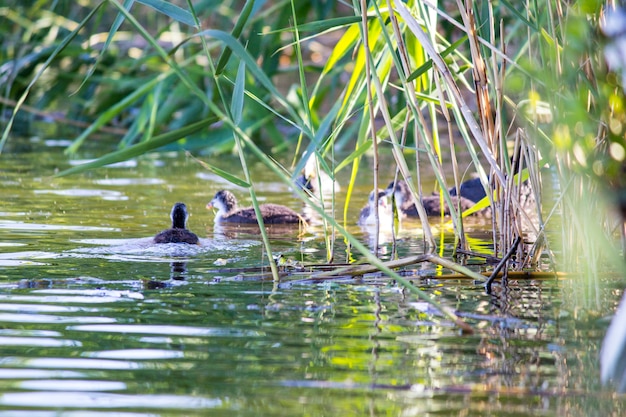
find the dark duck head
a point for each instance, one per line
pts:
(178, 233)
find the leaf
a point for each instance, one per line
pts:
(141, 148)
(236, 105)
(228, 177)
(516, 11)
(170, 10)
(323, 25)
(116, 109)
(241, 22)
(428, 64)
(119, 19)
(258, 73)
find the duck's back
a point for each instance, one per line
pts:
(277, 214)
(432, 205)
(272, 214)
(176, 236)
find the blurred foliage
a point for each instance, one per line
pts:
(97, 75)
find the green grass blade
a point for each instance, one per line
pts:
(322, 25)
(258, 73)
(114, 110)
(227, 176)
(241, 22)
(236, 107)
(429, 64)
(519, 15)
(140, 148)
(170, 10)
(119, 19)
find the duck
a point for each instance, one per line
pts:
(178, 233)
(228, 211)
(432, 203)
(471, 189)
(309, 180)
(385, 213)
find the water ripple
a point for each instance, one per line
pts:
(9, 373)
(165, 330)
(69, 363)
(108, 195)
(136, 354)
(37, 341)
(44, 308)
(70, 399)
(72, 385)
(129, 181)
(47, 318)
(15, 225)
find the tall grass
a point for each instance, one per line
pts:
(515, 90)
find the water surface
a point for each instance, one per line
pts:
(96, 320)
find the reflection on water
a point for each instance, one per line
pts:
(97, 320)
(82, 192)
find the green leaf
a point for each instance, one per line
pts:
(516, 11)
(323, 25)
(141, 148)
(116, 109)
(236, 105)
(228, 177)
(428, 64)
(170, 10)
(258, 73)
(241, 22)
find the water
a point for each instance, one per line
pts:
(95, 320)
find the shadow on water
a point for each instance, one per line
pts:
(95, 319)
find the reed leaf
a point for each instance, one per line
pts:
(241, 23)
(140, 148)
(171, 10)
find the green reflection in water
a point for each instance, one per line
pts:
(185, 333)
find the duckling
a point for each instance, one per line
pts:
(471, 189)
(227, 211)
(178, 233)
(431, 203)
(309, 180)
(385, 214)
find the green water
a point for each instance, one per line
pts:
(95, 321)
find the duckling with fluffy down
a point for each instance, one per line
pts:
(228, 211)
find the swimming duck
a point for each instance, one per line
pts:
(178, 233)
(227, 211)
(309, 180)
(432, 203)
(471, 189)
(385, 214)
